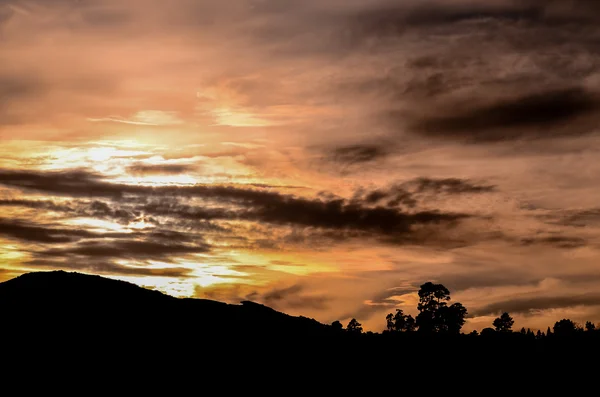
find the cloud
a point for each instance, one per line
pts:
(392, 19)
(256, 205)
(448, 186)
(393, 196)
(105, 266)
(144, 118)
(292, 297)
(409, 193)
(33, 233)
(36, 204)
(127, 249)
(530, 305)
(357, 154)
(546, 114)
(159, 169)
(556, 241)
(576, 218)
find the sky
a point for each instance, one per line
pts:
(324, 158)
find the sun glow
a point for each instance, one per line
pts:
(98, 225)
(200, 274)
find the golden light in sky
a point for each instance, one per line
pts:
(322, 158)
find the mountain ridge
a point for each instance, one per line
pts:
(91, 303)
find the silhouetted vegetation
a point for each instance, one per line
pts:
(59, 309)
(503, 323)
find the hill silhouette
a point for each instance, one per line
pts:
(62, 302)
(87, 320)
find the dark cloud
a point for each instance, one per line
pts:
(392, 197)
(159, 169)
(75, 183)
(545, 114)
(33, 233)
(532, 304)
(487, 278)
(396, 19)
(357, 154)
(575, 218)
(255, 205)
(127, 249)
(37, 204)
(393, 19)
(292, 297)
(448, 185)
(407, 193)
(94, 209)
(556, 241)
(487, 72)
(108, 267)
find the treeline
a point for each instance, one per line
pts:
(437, 317)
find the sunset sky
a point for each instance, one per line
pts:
(324, 158)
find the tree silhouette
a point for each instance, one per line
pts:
(337, 326)
(354, 327)
(539, 334)
(503, 323)
(400, 322)
(454, 318)
(530, 333)
(590, 326)
(434, 313)
(565, 327)
(432, 296)
(487, 331)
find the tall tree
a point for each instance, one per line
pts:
(434, 313)
(454, 318)
(354, 327)
(504, 323)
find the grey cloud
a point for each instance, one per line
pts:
(159, 169)
(487, 278)
(576, 218)
(34, 233)
(107, 267)
(545, 114)
(396, 19)
(257, 205)
(531, 304)
(37, 204)
(449, 186)
(293, 297)
(126, 249)
(556, 241)
(357, 154)
(408, 193)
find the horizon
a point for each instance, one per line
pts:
(324, 159)
(514, 328)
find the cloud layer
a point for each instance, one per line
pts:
(325, 158)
